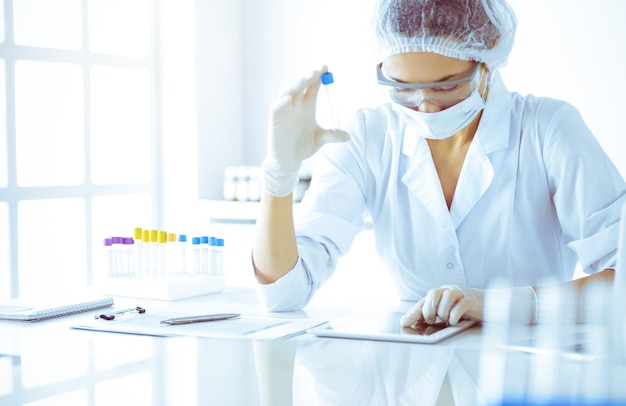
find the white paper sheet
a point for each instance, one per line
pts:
(255, 327)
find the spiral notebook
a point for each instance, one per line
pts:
(34, 310)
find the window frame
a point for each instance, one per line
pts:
(12, 194)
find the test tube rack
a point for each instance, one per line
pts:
(160, 265)
(173, 289)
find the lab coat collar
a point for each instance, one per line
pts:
(493, 129)
(477, 172)
(420, 177)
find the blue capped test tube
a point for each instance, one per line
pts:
(328, 82)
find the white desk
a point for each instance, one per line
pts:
(47, 363)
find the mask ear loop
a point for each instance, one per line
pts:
(485, 91)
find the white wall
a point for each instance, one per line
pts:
(568, 49)
(221, 112)
(575, 50)
(285, 39)
(273, 43)
(178, 116)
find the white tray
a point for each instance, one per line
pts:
(172, 289)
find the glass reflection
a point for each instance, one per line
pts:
(337, 371)
(77, 397)
(114, 351)
(6, 383)
(424, 329)
(85, 368)
(133, 389)
(59, 367)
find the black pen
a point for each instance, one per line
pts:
(200, 319)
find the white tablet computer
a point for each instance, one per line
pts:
(385, 326)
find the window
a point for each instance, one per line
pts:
(79, 137)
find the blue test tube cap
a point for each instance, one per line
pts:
(213, 241)
(195, 240)
(205, 239)
(327, 78)
(182, 238)
(220, 242)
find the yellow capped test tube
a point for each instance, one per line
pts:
(147, 266)
(161, 253)
(137, 269)
(170, 264)
(153, 252)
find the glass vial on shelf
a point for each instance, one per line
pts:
(229, 187)
(241, 183)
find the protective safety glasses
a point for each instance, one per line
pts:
(443, 94)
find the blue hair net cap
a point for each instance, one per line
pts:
(473, 30)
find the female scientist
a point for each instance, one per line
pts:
(466, 183)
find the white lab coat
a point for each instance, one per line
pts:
(536, 194)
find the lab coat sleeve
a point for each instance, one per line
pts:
(326, 223)
(587, 189)
(291, 292)
(316, 263)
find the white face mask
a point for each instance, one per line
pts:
(445, 123)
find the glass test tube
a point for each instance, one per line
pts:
(620, 277)
(117, 256)
(147, 266)
(181, 261)
(108, 253)
(154, 254)
(161, 255)
(204, 249)
(217, 256)
(137, 270)
(127, 257)
(329, 87)
(172, 252)
(618, 332)
(197, 258)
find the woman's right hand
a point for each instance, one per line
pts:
(294, 134)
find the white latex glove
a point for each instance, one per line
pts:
(452, 303)
(294, 135)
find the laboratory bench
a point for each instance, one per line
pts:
(50, 363)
